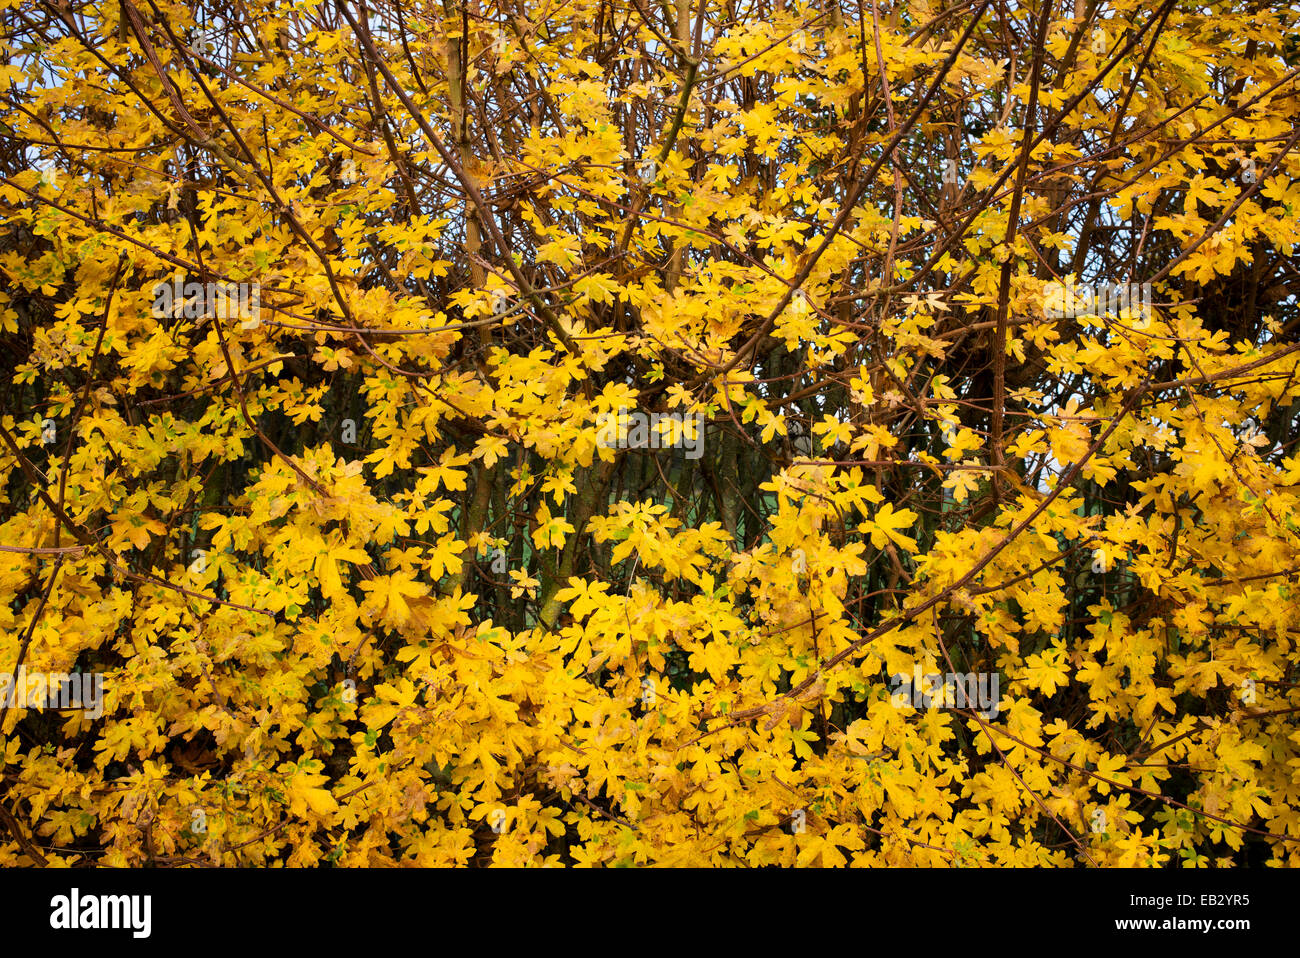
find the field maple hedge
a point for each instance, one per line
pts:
(366, 578)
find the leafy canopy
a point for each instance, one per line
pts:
(367, 588)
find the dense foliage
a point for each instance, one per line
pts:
(367, 586)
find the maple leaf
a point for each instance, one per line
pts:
(884, 527)
(587, 596)
(550, 531)
(387, 596)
